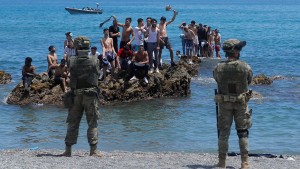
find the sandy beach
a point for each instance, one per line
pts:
(29, 159)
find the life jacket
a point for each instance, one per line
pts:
(82, 43)
(84, 72)
(232, 77)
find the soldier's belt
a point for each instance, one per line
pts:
(87, 91)
(228, 98)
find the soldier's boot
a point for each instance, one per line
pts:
(94, 152)
(223, 148)
(243, 141)
(68, 151)
(222, 160)
(245, 161)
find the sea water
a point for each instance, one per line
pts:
(188, 124)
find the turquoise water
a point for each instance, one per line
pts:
(182, 124)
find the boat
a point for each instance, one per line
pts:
(84, 10)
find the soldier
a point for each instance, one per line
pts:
(233, 77)
(84, 73)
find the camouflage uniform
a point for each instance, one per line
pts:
(84, 73)
(233, 78)
(84, 87)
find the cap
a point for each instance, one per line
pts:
(69, 34)
(233, 45)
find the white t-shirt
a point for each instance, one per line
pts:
(96, 54)
(138, 36)
(70, 51)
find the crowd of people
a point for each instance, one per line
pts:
(199, 40)
(140, 48)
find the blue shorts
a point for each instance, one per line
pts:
(110, 56)
(189, 44)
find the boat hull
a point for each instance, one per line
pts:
(74, 11)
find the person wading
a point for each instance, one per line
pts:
(233, 77)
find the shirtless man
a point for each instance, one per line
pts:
(126, 32)
(164, 37)
(141, 62)
(194, 28)
(61, 75)
(217, 43)
(108, 52)
(28, 73)
(189, 36)
(52, 61)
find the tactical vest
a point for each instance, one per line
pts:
(84, 72)
(232, 77)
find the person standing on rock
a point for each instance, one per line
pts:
(83, 97)
(164, 38)
(52, 61)
(233, 78)
(126, 32)
(153, 45)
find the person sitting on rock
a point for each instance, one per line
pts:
(140, 66)
(124, 58)
(61, 75)
(28, 73)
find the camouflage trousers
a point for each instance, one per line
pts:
(87, 103)
(243, 121)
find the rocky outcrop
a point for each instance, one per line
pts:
(170, 82)
(42, 92)
(5, 78)
(261, 80)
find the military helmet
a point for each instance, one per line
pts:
(233, 45)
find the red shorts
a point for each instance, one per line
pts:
(217, 47)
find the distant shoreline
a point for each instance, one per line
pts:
(22, 158)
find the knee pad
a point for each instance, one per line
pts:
(242, 133)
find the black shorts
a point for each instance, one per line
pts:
(123, 43)
(57, 79)
(165, 42)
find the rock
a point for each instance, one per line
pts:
(261, 80)
(170, 82)
(256, 95)
(5, 78)
(192, 69)
(41, 92)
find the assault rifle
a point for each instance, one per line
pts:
(217, 113)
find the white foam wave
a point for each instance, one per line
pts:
(4, 100)
(204, 80)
